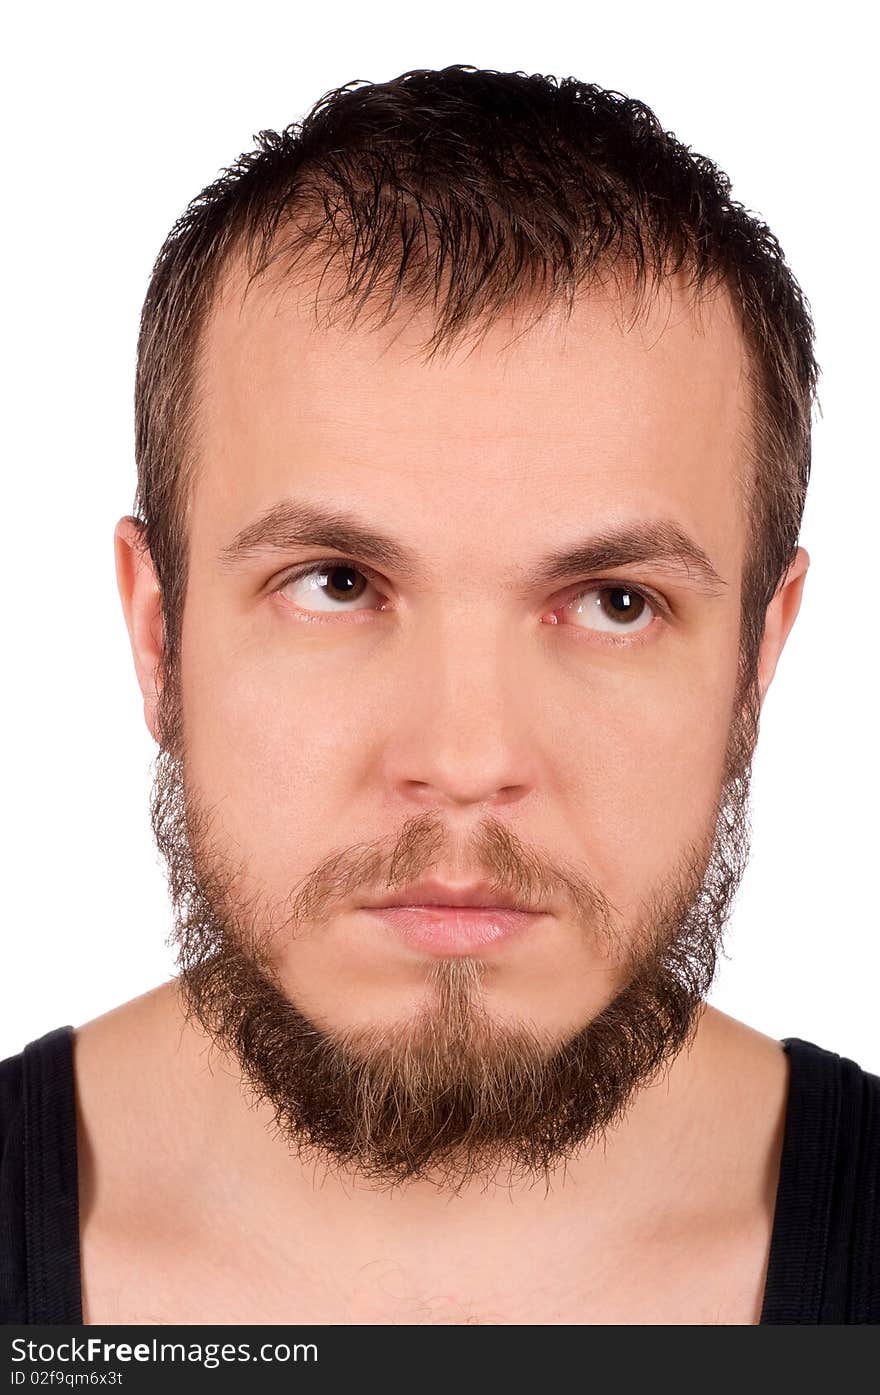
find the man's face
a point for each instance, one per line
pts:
(463, 717)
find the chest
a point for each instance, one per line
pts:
(697, 1279)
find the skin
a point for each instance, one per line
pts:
(448, 701)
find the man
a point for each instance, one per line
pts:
(473, 432)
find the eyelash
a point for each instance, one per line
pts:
(657, 604)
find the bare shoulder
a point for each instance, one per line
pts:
(137, 1071)
(750, 1069)
(707, 1245)
(129, 1085)
(742, 1079)
(122, 1063)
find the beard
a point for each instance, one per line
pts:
(450, 1093)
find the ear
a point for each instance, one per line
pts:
(142, 604)
(781, 614)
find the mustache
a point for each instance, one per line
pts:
(425, 850)
(198, 864)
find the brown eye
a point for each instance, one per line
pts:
(336, 583)
(613, 609)
(344, 583)
(620, 604)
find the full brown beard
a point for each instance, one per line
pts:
(450, 1093)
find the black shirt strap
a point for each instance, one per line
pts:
(824, 1259)
(50, 1178)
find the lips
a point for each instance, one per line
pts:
(473, 896)
(442, 917)
(455, 930)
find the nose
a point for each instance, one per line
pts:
(465, 732)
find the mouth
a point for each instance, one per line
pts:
(437, 895)
(442, 918)
(454, 929)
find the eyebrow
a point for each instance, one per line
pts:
(295, 523)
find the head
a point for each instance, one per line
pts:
(524, 305)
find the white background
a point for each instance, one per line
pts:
(114, 118)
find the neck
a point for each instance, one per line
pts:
(237, 1159)
(176, 1163)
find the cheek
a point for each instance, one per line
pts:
(647, 779)
(266, 749)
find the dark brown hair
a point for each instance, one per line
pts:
(471, 191)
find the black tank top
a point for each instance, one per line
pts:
(824, 1264)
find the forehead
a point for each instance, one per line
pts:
(596, 411)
